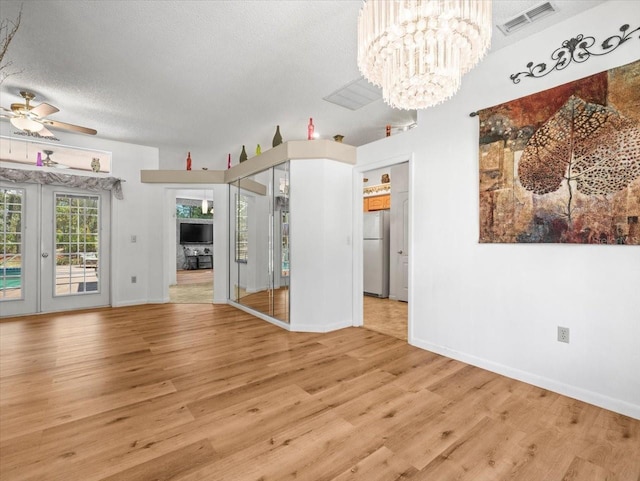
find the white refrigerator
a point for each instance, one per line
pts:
(376, 253)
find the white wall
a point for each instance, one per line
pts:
(221, 244)
(321, 252)
(138, 214)
(374, 177)
(498, 306)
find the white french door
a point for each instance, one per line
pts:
(64, 250)
(18, 246)
(74, 259)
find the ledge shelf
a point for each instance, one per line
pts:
(292, 150)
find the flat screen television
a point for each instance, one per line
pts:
(196, 233)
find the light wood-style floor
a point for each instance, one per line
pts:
(204, 392)
(192, 287)
(193, 276)
(386, 316)
(274, 304)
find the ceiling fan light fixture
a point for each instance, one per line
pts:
(26, 124)
(418, 50)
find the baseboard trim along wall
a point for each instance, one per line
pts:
(574, 392)
(324, 328)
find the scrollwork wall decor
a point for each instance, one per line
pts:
(577, 49)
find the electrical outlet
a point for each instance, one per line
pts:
(134, 279)
(134, 239)
(563, 334)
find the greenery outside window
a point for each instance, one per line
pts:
(186, 211)
(11, 214)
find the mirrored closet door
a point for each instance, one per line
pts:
(259, 259)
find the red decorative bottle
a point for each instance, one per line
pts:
(310, 129)
(189, 161)
(229, 161)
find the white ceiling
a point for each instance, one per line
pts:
(206, 76)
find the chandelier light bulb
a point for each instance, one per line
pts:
(418, 50)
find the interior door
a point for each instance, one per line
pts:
(402, 264)
(74, 249)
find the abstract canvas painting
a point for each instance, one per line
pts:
(563, 165)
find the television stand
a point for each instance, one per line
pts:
(200, 261)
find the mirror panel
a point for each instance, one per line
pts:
(259, 242)
(281, 241)
(237, 242)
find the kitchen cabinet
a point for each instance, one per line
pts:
(378, 202)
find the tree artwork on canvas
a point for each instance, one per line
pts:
(564, 165)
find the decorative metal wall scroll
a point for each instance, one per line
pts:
(578, 50)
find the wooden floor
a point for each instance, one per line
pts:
(192, 287)
(193, 276)
(386, 316)
(274, 304)
(203, 392)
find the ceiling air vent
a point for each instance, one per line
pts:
(525, 18)
(355, 95)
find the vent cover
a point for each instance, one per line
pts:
(525, 18)
(355, 95)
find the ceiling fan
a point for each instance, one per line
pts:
(33, 119)
(49, 162)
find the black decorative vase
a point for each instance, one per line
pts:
(243, 155)
(277, 138)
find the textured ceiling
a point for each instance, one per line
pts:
(205, 76)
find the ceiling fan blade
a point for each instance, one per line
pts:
(43, 110)
(63, 125)
(45, 132)
(6, 110)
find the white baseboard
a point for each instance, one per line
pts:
(260, 315)
(324, 328)
(591, 397)
(134, 302)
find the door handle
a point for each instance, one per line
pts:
(45, 254)
(399, 252)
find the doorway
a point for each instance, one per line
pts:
(55, 249)
(385, 203)
(191, 257)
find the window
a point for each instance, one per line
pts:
(11, 203)
(77, 227)
(188, 211)
(242, 232)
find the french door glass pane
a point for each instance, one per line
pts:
(77, 231)
(11, 265)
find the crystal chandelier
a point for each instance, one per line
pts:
(418, 50)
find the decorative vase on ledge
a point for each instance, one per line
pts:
(243, 155)
(277, 138)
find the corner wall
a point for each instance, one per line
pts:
(498, 306)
